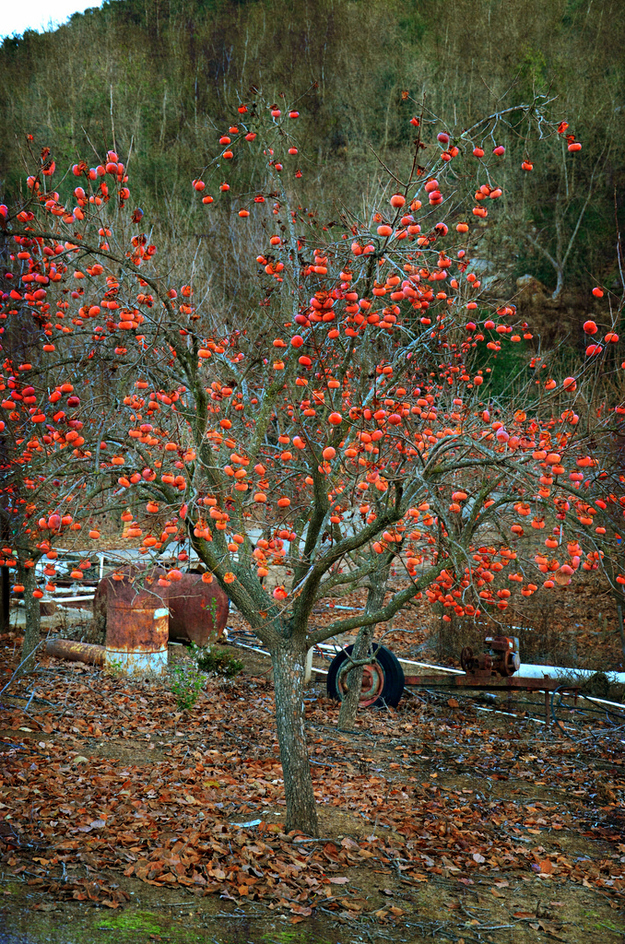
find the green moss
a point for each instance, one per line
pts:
(133, 921)
(299, 936)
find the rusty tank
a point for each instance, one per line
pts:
(136, 636)
(197, 611)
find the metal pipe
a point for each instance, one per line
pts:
(75, 651)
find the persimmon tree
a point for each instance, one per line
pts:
(338, 432)
(43, 466)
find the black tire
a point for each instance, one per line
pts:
(393, 677)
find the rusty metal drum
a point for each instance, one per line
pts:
(198, 612)
(136, 637)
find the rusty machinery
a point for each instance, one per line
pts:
(501, 658)
(491, 670)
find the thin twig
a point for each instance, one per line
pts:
(29, 656)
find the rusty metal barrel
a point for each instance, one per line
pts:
(136, 637)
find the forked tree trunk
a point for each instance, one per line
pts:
(32, 613)
(288, 659)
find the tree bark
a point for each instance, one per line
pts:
(618, 596)
(5, 594)
(33, 619)
(621, 625)
(288, 658)
(5, 576)
(353, 681)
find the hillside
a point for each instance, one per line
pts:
(156, 79)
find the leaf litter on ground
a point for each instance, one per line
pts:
(104, 776)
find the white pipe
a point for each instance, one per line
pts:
(309, 666)
(496, 711)
(243, 645)
(527, 670)
(427, 665)
(602, 701)
(424, 665)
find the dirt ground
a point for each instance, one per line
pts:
(455, 819)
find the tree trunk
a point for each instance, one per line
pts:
(5, 576)
(33, 619)
(619, 598)
(5, 594)
(288, 659)
(621, 626)
(353, 681)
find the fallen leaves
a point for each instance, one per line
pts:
(77, 889)
(124, 783)
(553, 930)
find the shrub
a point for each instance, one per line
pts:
(217, 661)
(186, 684)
